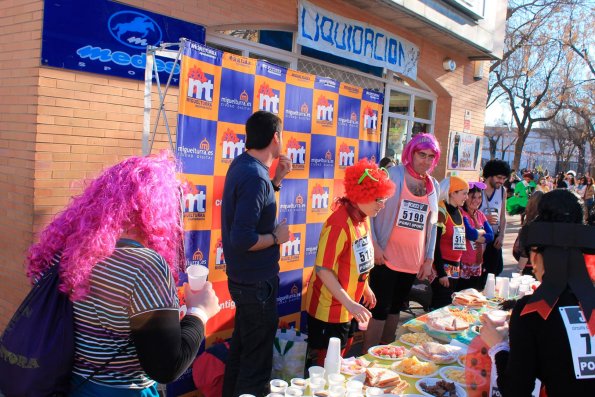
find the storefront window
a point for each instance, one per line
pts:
(395, 138)
(399, 103)
(420, 128)
(422, 108)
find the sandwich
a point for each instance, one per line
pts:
(382, 377)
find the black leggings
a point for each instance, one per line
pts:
(391, 288)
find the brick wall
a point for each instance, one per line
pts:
(59, 127)
(20, 43)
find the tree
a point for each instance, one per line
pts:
(535, 75)
(564, 132)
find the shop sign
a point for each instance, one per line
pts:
(102, 36)
(347, 38)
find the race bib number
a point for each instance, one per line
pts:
(458, 238)
(364, 254)
(582, 344)
(412, 215)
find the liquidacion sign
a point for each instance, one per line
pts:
(101, 36)
(347, 38)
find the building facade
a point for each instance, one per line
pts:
(60, 126)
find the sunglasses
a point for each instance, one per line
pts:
(479, 185)
(366, 173)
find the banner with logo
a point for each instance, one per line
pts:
(327, 126)
(108, 37)
(325, 31)
(464, 151)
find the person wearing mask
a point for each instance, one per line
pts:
(540, 342)
(404, 236)
(478, 232)
(120, 265)
(450, 240)
(344, 259)
(251, 237)
(493, 205)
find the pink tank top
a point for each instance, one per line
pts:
(405, 251)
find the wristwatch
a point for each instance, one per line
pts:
(276, 188)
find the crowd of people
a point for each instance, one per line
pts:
(119, 248)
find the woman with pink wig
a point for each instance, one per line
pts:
(404, 236)
(119, 248)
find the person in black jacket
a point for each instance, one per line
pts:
(539, 344)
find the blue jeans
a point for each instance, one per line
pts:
(92, 389)
(250, 359)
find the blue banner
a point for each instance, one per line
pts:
(101, 36)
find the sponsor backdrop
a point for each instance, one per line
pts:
(327, 126)
(106, 37)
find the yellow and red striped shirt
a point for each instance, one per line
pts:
(335, 253)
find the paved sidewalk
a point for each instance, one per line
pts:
(513, 225)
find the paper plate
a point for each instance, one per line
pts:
(371, 353)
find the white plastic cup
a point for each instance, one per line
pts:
(354, 385)
(336, 380)
(363, 326)
(498, 317)
(515, 275)
(491, 276)
(300, 383)
(337, 391)
(514, 289)
(490, 288)
(505, 288)
(354, 394)
(374, 391)
(278, 386)
(316, 372)
(197, 276)
(293, 392)
(317, 384)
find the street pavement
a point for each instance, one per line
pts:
(513, 225)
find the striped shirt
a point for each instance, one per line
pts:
(335, 253)
(130, 282)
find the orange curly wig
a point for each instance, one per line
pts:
(376, 185)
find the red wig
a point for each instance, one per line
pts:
(365, 182)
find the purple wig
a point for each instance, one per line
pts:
(421, 142)
(140, 194)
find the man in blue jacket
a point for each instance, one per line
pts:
(251, 237)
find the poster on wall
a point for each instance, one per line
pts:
(108, 37)
(464, 151)
(327, 126)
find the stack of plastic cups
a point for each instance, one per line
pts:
(332, 362)
(504, 287)
(490, 288)
(317, 381)
(514, 288)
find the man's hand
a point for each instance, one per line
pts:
(426, 269)
(444, 281)
(204, 299)
(498, 241)
(369, 297)
(378, 255)
(284, 167)
(282, 231)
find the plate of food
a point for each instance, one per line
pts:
(447, 324)
(439, 388)
(412, 367)
(437, 352)
(415, 338)
(464, 313)
(461, 376)
(354, 366)
(469, 298)
(386, 379)
(388, 352)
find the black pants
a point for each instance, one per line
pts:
(442, 296)
(250, 360)
(391, 288)
(492, 263)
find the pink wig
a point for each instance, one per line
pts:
(421, 142)
(140, 193)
